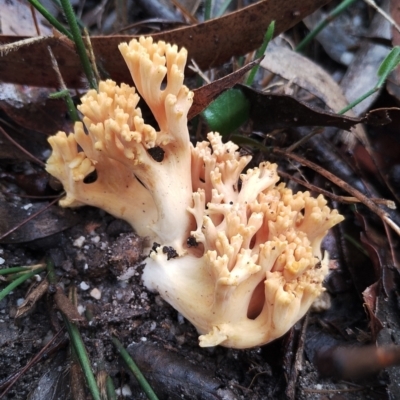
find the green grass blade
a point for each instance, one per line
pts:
(80, 46)
(16, 270)
(110, 388)
(326, 21)
(9, 288)
(134, 369)
(260, 52)
(77, 343)
(207, 10)
(390, 62)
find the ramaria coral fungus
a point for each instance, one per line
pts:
(255, 265)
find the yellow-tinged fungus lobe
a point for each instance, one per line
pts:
(257, 264)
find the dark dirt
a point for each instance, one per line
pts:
(91, 256)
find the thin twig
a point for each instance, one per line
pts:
(53, 21)
(67, 96)
(342, 199)
(35, 21)
(30, 364)
(186, 13)
(345, 186)
(194, 67)
(315, 131)
(91, 55)
(383, 13)
(30, 217)
(16, 144)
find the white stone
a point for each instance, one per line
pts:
(79, 242)
(84, 286)
(96, 294)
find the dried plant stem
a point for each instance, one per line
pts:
(383, 13)
(315, 131)
(345, 186)
(14, 46)
(73, 112)
(31, 363)
(53, 21)
(35, 21)
(16, 144)
(341, 199)
(34, 215)
(91, 55)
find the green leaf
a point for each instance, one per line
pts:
(227, 112)
(390, 62)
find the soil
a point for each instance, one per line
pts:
(89, 259)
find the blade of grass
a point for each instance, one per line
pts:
(207, 10)
(134, 369)
(77, 344)
(110, 388)
(9, 288)
(15, 270)
(81, 354)
(329, 18)
(77, 38)
(391, 61)
(260, 52)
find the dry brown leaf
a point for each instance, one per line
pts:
(16, 19)
(303, 72)
(50, 222)
(210, 44)
(306, 74)
(32, 298)
(31, 108)
(65, 305)
(270, 111)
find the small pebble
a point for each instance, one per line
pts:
(84, 286)
(96, 294)
(95, 239)
(79, 242)
(81, 309)
(20, 301)
(124, 391)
